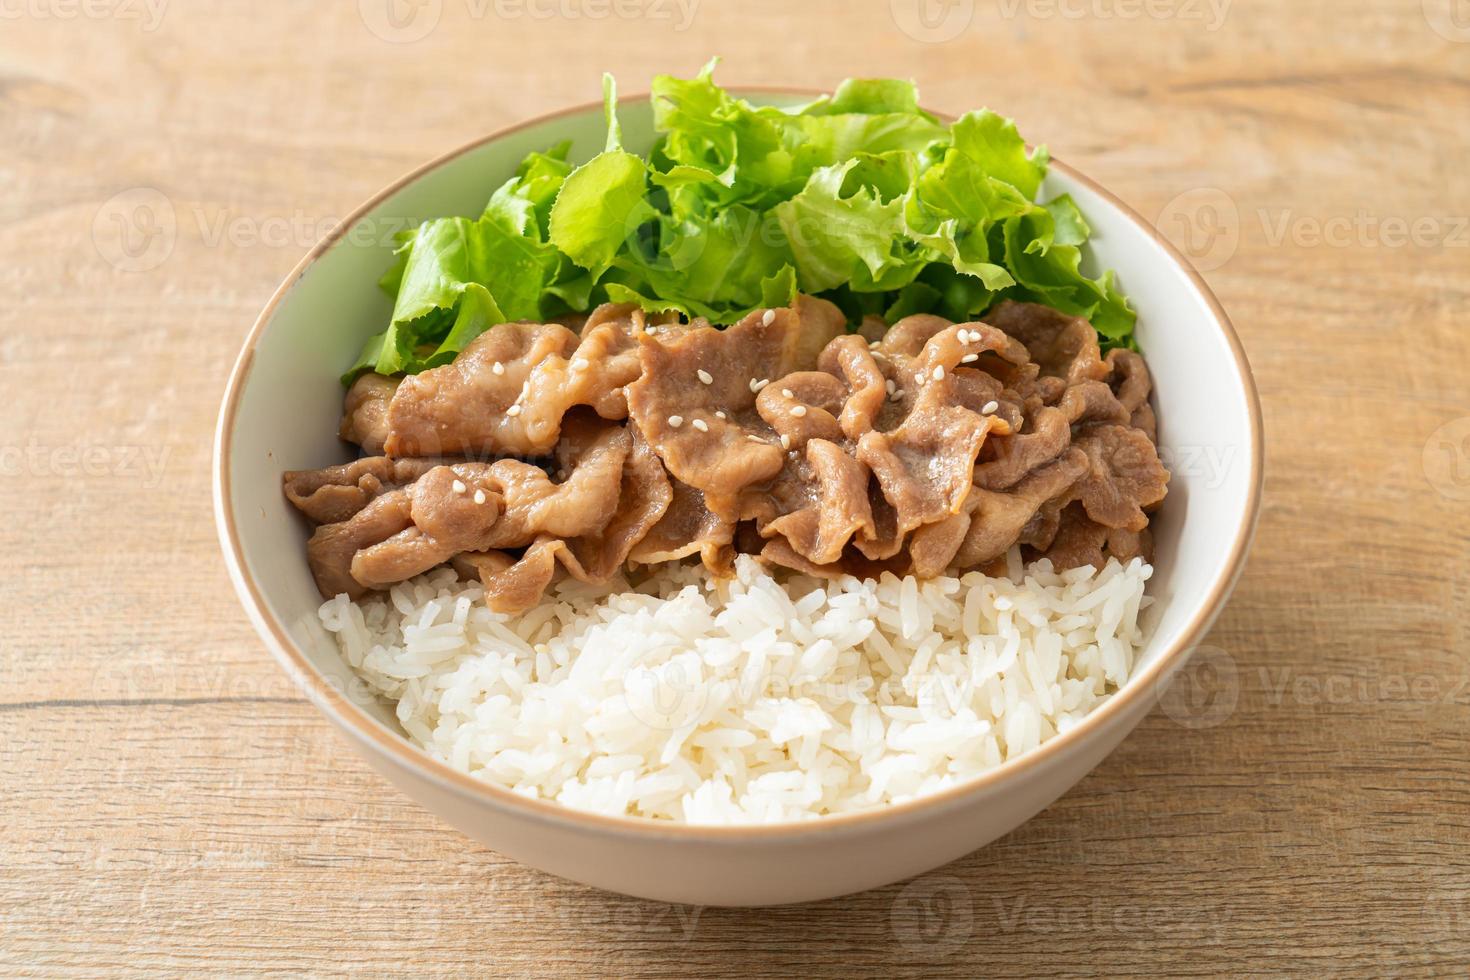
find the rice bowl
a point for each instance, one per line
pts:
(1204, 390)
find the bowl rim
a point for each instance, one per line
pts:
(391, 746)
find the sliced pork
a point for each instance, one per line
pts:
(927, 448)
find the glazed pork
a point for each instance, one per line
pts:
(931, 448)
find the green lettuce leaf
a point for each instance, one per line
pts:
(438, 264)
(523, 203)
(861, 197)
(846, 226)
(603, 202)
(1043, 250)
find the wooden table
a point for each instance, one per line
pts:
(169, 803)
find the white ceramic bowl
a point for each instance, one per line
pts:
(281, 410)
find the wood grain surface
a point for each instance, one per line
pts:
(170, 804)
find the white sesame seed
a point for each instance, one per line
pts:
(480, 497)
(701, 425)
(969, 358)
(785, 441)
(798, 410)
(459, 486)
(873, 344)
(651, 329)
(580, 364)
(786, 393)
(966, 337)
(989, 407)
(768, 317)
(675, 421)
(497, 368)
(755, 439)
(919, 378)
(513, 411)
(939, 373)
(760, 384)
(753, 385)
(897, 394)
(721, 415)
(890, 386)
(705, 377)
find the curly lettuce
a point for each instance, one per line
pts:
(860, 196)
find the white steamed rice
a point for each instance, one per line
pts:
(752, 700)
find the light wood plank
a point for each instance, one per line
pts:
(171, 804)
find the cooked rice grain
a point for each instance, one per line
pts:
(751, 700)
